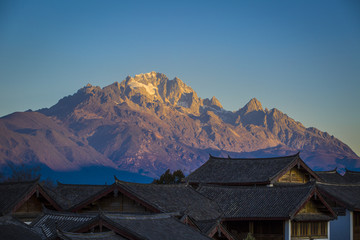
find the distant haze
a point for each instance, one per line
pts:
(302, 57)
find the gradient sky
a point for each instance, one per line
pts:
(302, 57)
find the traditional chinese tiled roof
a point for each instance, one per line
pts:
(174, 198)
(241, 202)
(49, 221)
(69, 195)
(352, 177)
(12, 193)
(331, 176)
(13, 229)
(156, 226)
(156, 197)
(347, 195)
(206, 226)
(89, 236)
(214, 227)
(243, 171)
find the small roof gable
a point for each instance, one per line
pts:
(244, 171)
(70, 195)
(207, 226)
(14, 194)
(173, 198)
(11, 193)
(347, 195)
(13, 229)
(241, 202)
(212, 227)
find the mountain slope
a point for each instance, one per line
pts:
(149, 123)
(32, 137)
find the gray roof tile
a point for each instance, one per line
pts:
(352, 176)
(331, 176)
(70, 195)
(346, 194)
(259, 202)
(164, 198)
(89, 236)
(157, 226)
(50, 220)
(151, 226)
(174, 198)
(13, 192)
(240, 170)
(13, 229)
(206, 226)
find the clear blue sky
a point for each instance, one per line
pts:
(302, 57)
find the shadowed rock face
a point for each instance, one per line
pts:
(149, 123)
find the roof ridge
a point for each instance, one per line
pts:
(47, 211)
(21, 182)
(328, 171)
(141, 216)
(294, 186)
(74, 184)
(254, 158)
(152, 184)
(340, 184)
(109, 233)
(351, 171)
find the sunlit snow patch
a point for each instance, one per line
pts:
(151, 89)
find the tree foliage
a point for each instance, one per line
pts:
(170, 178)
(2, 176)
(23, 173)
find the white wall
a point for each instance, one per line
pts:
(287, 232)
(341, 228)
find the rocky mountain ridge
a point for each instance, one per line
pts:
(148, 123)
